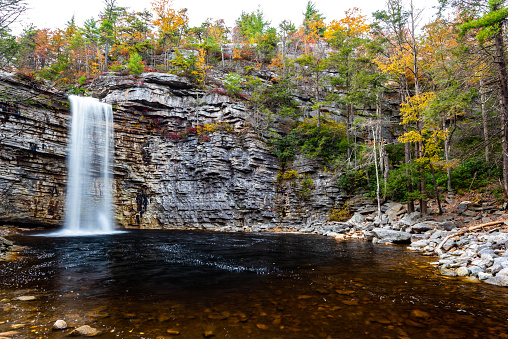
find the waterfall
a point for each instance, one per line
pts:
(89, 201)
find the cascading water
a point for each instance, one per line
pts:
(89, 186)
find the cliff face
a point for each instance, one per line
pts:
(33, 141)
(167, 172)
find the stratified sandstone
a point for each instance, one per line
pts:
(166, 176)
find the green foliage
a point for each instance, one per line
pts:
(233, 83)
(340, 214)
(482, 172)
(267, 44)
(488, 23)
(399, 179)
(278, 98)
(285, 147)
(351, 181)
(135, 64)
(82, 80)
(310, 15)
(306, 188)
(326, 142)
(395, 153)
(252, 24)
(185, 64)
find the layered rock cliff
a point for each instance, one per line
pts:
(168, 173)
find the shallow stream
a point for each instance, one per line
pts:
(150, 284)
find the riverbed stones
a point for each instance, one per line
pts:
(85, 331)
(447, 272)
(484, 276)
(408, 220)
(26, 298)
(462, 271)
(59, 325)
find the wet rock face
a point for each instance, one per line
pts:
(33, 142)
(166, 175)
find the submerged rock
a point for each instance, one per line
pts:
(26, 298)
(59, 325)
(86, 331)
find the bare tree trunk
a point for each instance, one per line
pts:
(222, 54)
(447, 158)
(374, 134)
(106, 56)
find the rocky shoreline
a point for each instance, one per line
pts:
(470, 243)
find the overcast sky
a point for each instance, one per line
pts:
(55, 13)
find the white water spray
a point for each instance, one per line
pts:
(88, 209)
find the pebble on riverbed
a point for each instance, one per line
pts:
(59, 325)
(26, 298)
(85, 331)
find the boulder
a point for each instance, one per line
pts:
(463, 207)
(409, 220)
(447, 225)
(462, 271)
(391, 236)
(447, 272)
(420, 243)
(484, 276)
(475, 270)
(357, 220)
(498, 280)
(425, 226)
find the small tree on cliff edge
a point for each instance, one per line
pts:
(135, 64)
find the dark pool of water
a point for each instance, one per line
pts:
(150, 284)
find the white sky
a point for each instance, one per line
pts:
(55, 13)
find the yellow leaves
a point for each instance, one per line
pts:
(411, 136)
(237, 53)
(277, 62)
(427, 136)
(201, 66)
(398, 63)
(414, 106)
(216, 126)
(169, 20)
(353, 25)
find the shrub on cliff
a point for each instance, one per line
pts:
(135, 64)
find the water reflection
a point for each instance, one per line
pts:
(144, 284)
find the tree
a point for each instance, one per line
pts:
(490, 27)
(313, 20)
(172, 24)
(109, 18)
(355, 82)
(253, 30)
(135, 64)
(10, 10)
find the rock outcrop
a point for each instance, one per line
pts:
(33, 139)
(167, 172)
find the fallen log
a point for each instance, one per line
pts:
(469, 229)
